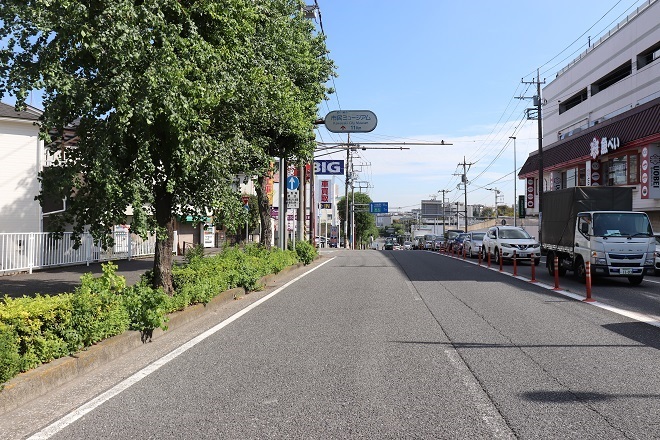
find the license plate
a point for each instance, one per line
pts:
(523, 254)
(625, 271)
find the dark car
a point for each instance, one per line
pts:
(458, 242)
(450, 236)
(389, 244)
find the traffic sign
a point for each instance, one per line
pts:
(350, 121)
(292, 199)
(378, 207)
(292, 183)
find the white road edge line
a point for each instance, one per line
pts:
(65, 421)
(623, 312)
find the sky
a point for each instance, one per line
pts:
(434, 70)
(441, 70)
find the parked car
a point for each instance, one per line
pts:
(472, 244)
(439, 244)
(450, 236)
(458, 242)
(407, 245)
(502, 241)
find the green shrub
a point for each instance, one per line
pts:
(147, 308)
(306, 252)
(9, 357)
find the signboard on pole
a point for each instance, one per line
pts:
(378, 207)
(292, 199)
(350, 121)
(328, 167)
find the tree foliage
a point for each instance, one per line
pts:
(168, 99)
(365, 222)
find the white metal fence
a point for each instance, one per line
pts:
(20, 252)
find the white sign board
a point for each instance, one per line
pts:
(350, 121)
(292, 199)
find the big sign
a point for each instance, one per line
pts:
(329, 167)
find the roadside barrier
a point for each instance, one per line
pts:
(501, 263)
(533, 280)
(587, 269)
(515, 264)
(488, 256)
(556, 266)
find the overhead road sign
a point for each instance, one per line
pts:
(378, 207)
(351, 121)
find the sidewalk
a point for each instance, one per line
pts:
(67, 278)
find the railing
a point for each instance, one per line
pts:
(20, 252)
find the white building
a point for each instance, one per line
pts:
(22, 155)
(601, 117)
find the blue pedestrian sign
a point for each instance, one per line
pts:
(292, 183)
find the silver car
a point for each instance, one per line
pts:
(472, 244)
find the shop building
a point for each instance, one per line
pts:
(601, 117)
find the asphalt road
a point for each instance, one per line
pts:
(394, 344)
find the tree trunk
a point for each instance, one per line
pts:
(164, 244)
(264, 212)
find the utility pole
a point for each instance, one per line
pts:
(443, 191)
(465, 181)
(538, 102)
(348, 167)
(515, 181)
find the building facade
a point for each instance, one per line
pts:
(22, 155)
(601, 117)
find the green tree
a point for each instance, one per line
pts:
(365, 223)
(287, 73)
(161, 95)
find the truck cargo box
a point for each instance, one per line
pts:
(560, 208)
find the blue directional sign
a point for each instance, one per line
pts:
(292, 183)
(378, 207)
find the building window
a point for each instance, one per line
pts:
(611, 78)
(648, 56)
(623, 170)
(573, 101)
(582, 176)
(633, 169)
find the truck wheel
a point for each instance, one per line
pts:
(580, 270)
(550, 263)
(635, 281)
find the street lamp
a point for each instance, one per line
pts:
(497, 192)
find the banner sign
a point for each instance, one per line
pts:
(329, 167)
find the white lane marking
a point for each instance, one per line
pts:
(647, 319)
(65, 421)
(485, 407)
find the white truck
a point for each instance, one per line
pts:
(596, 224)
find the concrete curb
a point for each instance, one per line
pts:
(41, 380)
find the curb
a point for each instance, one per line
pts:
(41, 380)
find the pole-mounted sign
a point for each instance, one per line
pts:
(351, 121)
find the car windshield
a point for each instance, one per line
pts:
(514, 233)
(616, 224)
(478, 236)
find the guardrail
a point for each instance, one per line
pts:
(21, 252)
